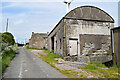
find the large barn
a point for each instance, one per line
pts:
(38, 40)
(84, 31)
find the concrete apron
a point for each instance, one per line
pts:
(88, 59)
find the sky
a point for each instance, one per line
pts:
(41, 16)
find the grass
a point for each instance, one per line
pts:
(33, 48)
(6, 59)
(6, 56)
(91, 67)
(98, 64)
(95, 68)
(50, 60)
(72, 74)
(27, 47)
(50, 57)
(106, 75)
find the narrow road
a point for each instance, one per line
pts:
(27, 65)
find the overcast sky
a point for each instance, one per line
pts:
(41, 16)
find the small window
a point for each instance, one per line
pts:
(92, 24)
(100, 24)
(107, 24)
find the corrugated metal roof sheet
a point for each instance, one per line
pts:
(90, 13)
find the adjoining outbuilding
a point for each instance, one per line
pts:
(115, 35)
(38, 40)
(84, 31)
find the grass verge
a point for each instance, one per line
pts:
(50, 59)
(27, 47)
(95, 68)
(6, 56)
(102, 70)
(6, 59)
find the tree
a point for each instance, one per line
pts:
(8, 38)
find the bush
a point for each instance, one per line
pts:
(8, 38)
(9, 34)
(8, 49)
(4, 45)
(27, 46)
(7, 55)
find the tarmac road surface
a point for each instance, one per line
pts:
(27, 65)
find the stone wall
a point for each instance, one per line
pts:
(91, 44)
(38, 40)
(55, 39)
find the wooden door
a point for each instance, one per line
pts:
(73, 47)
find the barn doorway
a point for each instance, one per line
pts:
(52, 44)
(73, 47)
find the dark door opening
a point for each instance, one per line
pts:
(52, 43)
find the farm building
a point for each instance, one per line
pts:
(115, 32)
(84, 31)
(38, 40)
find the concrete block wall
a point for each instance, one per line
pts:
(76, 27)
(95, 44)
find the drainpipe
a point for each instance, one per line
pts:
(112, 42)
(113, 54)
(64, 38)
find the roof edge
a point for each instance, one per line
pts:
(92, 7)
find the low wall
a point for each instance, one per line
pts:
(88, 59)
(102, 59)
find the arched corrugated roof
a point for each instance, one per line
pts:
(89, 13)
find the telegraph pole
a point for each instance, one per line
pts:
(7, 25)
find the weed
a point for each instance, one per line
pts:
(106, 75)
(91, 67)
(98, 64)
(114, 68)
